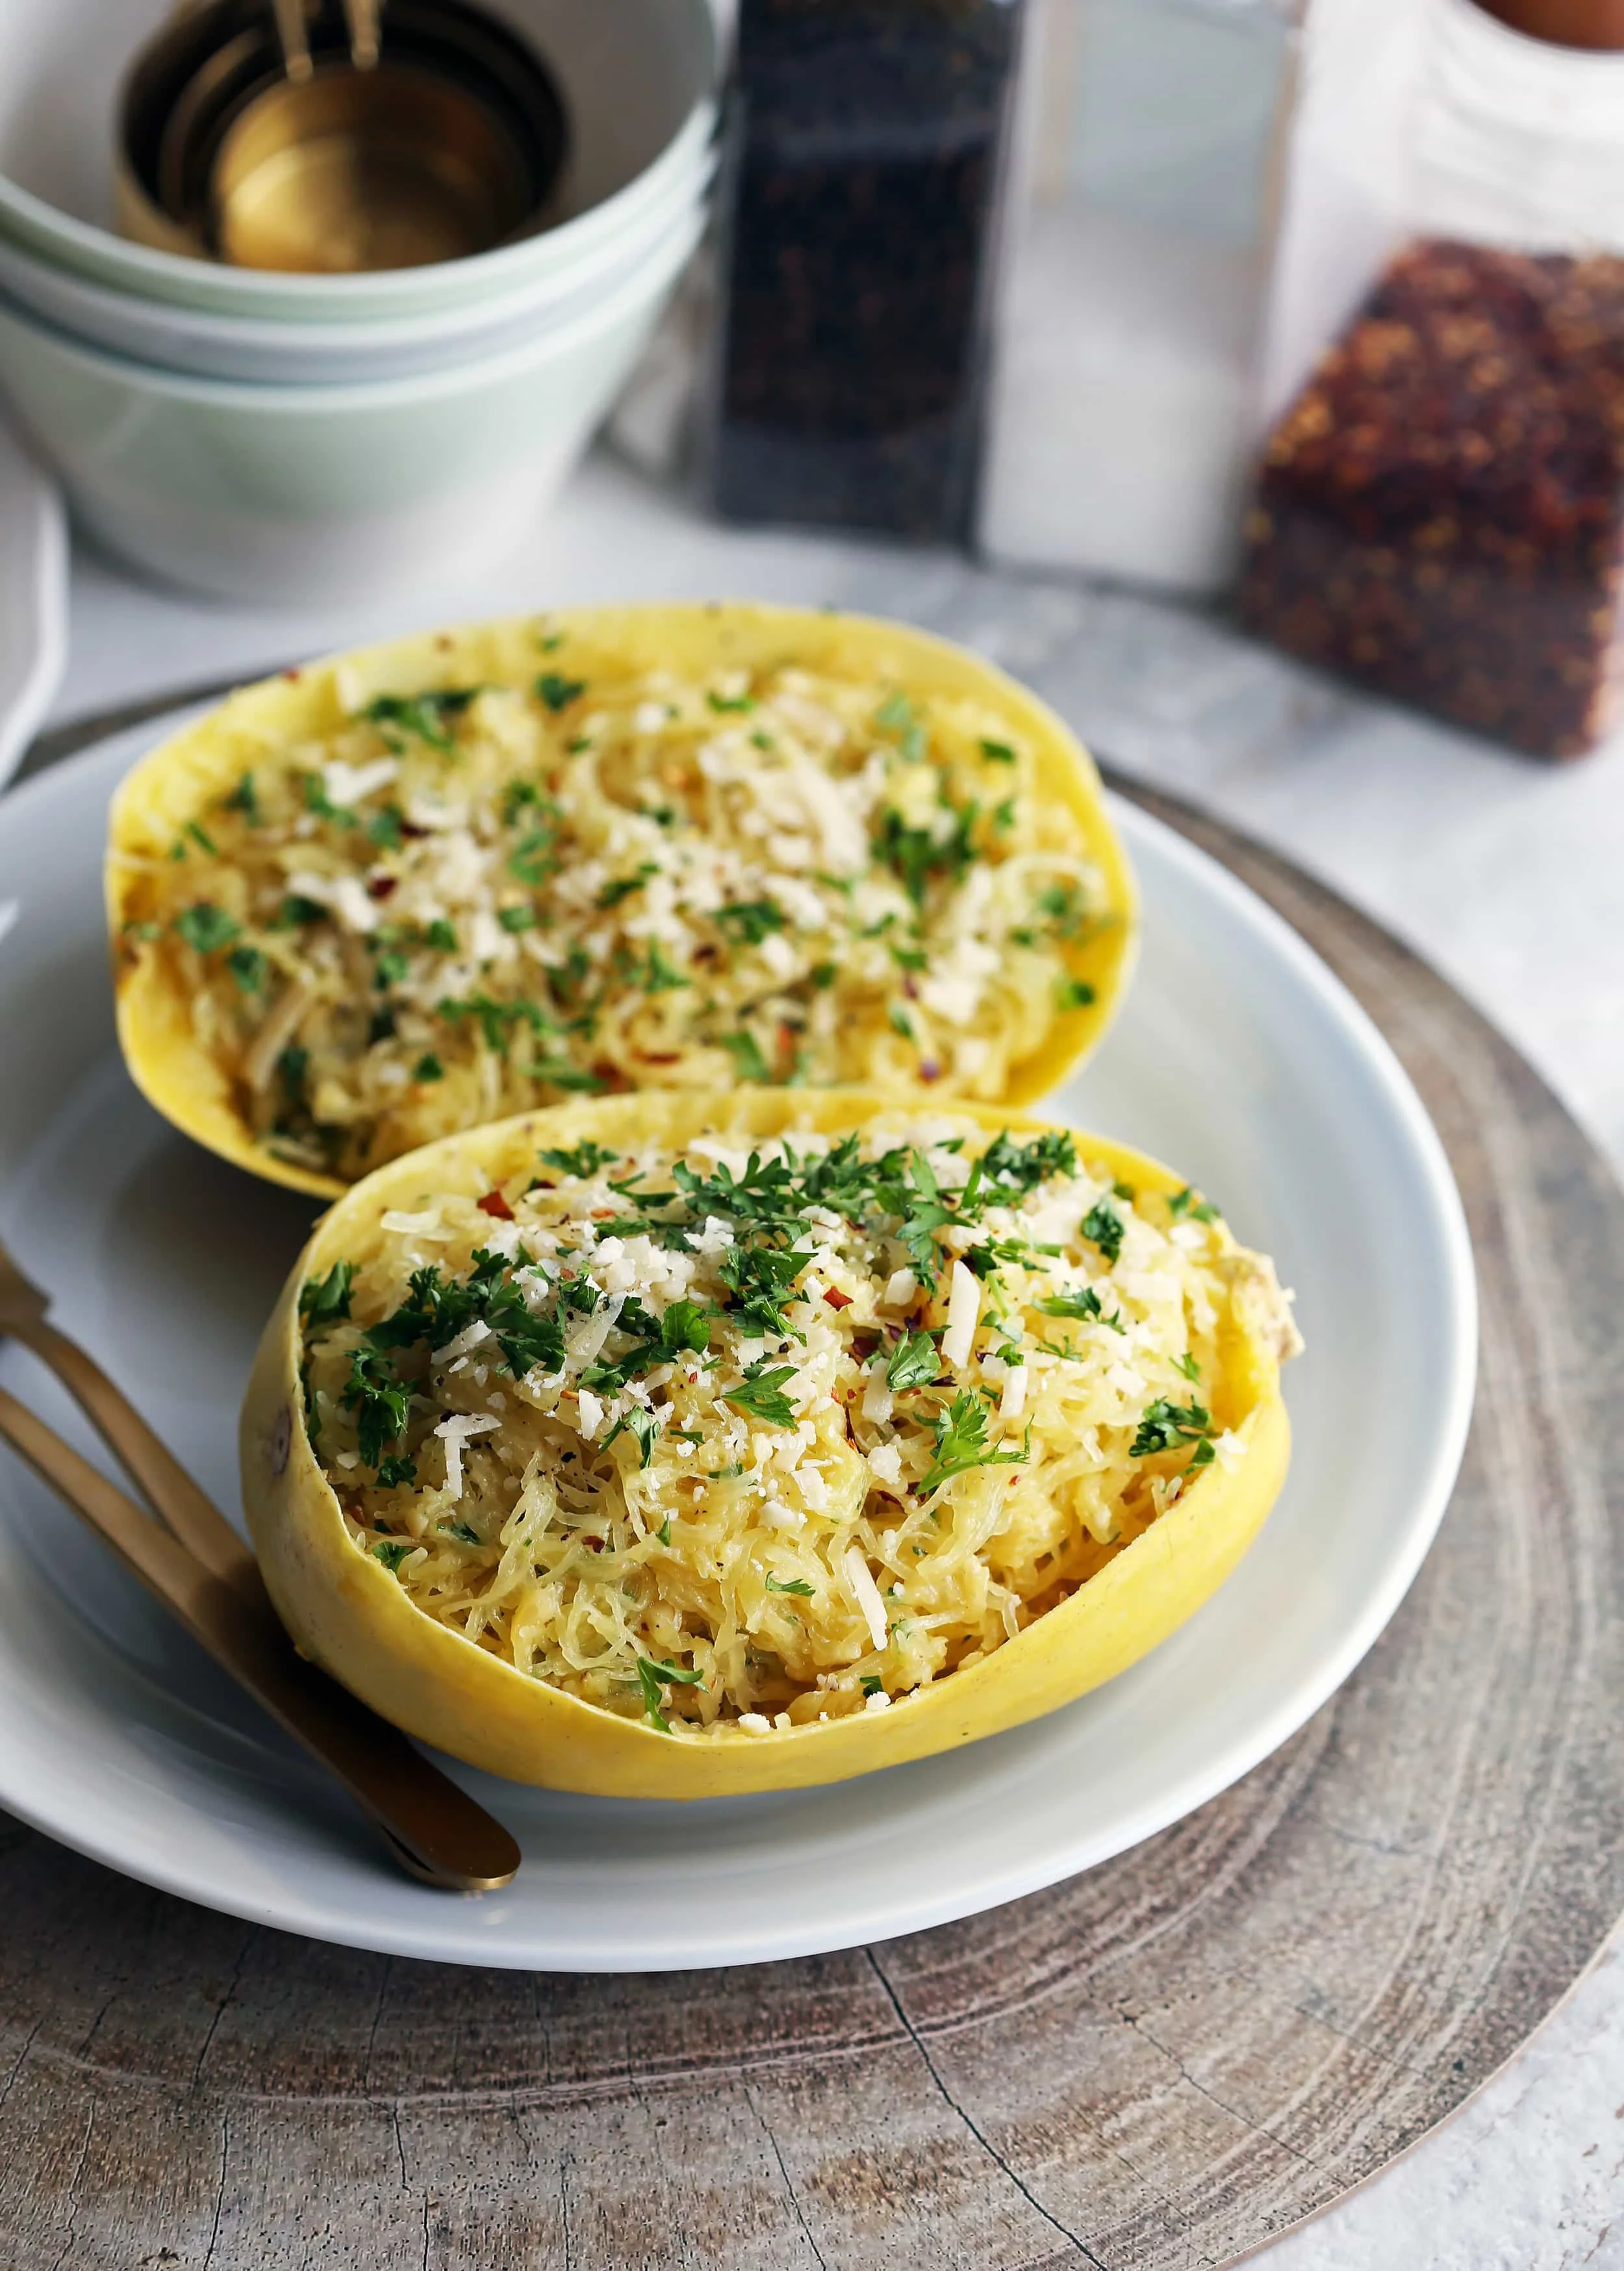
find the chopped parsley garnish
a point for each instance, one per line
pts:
(1074, 994)
(762, 1276)
(514, 919)
(392, 967)
(724, 702)
(747, 1058)
(427, 715)
(915, 855)
(243, 800)
(914, 1362)
(249, 968)
(398, 1469)
(291, 1067)
(1047, 1157)
(557, 691)
(385, 828)
(1185, 1203)
(896, 714)
(1062, 904)
(515, 796)
(428, 1067)
(390, 1551)
(318, 801)
(378, 1400)
(584, 1160)
(205, 928)
(751, 919)
(201, 837)
(658, 975)
(997, 752)
(655, 1678)
(1168, 1427)
(798, 1586)
(533, 859)
(1106, 1228)
(641, 1425)
(962, 1444)
(496, 1020)
(622, 886)
(761, 1395)
(324, 1301)
(823, 975)
(1083, 1305)
(297, 910)
(441, 936)
(870, 1683)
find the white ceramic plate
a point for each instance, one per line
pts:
(1240, 1058)
(33, 597)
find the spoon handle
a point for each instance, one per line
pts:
(433, 1828)
(295, 40)
(361, 21)
(194, 1517)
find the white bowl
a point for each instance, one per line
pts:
(638, 79)
(265, 351)
(300, 492)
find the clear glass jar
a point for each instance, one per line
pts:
(1122, 413)
(1440, 512)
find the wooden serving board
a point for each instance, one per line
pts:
(1166, 2062)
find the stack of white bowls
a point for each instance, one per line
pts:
(279, 437)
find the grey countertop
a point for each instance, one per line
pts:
(1507, 874)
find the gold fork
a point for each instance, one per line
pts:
(201, 1571)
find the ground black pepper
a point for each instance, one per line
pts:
(867, 159)
(1440, 513)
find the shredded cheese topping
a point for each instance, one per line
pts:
(761, 1435)
(464, 902)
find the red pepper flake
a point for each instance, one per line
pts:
(611, 1076)
(593, 1544)
(379, 887)
(494, 1203)
(292, 676)
(836, 1299)
(648, 1057)
(930, 1070)
(1439, 513)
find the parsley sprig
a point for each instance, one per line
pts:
(962, 1444)
(1168, 1427)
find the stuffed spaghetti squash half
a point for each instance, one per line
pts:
(677, 1444)
(422, 887)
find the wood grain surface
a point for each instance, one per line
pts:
(1163, 2063)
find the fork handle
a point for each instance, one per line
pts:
(433, 1828)
(190, 1514)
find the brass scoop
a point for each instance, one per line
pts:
(300, 136)
(202, 1572)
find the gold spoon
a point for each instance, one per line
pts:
(202, 1572)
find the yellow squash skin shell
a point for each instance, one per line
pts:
(185, 777)
(351, 1616)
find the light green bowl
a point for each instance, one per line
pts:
(638, 79)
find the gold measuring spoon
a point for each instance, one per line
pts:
(206, 1577)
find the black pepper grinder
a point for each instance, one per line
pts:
(867, 151)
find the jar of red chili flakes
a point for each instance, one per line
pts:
(1440, 510)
